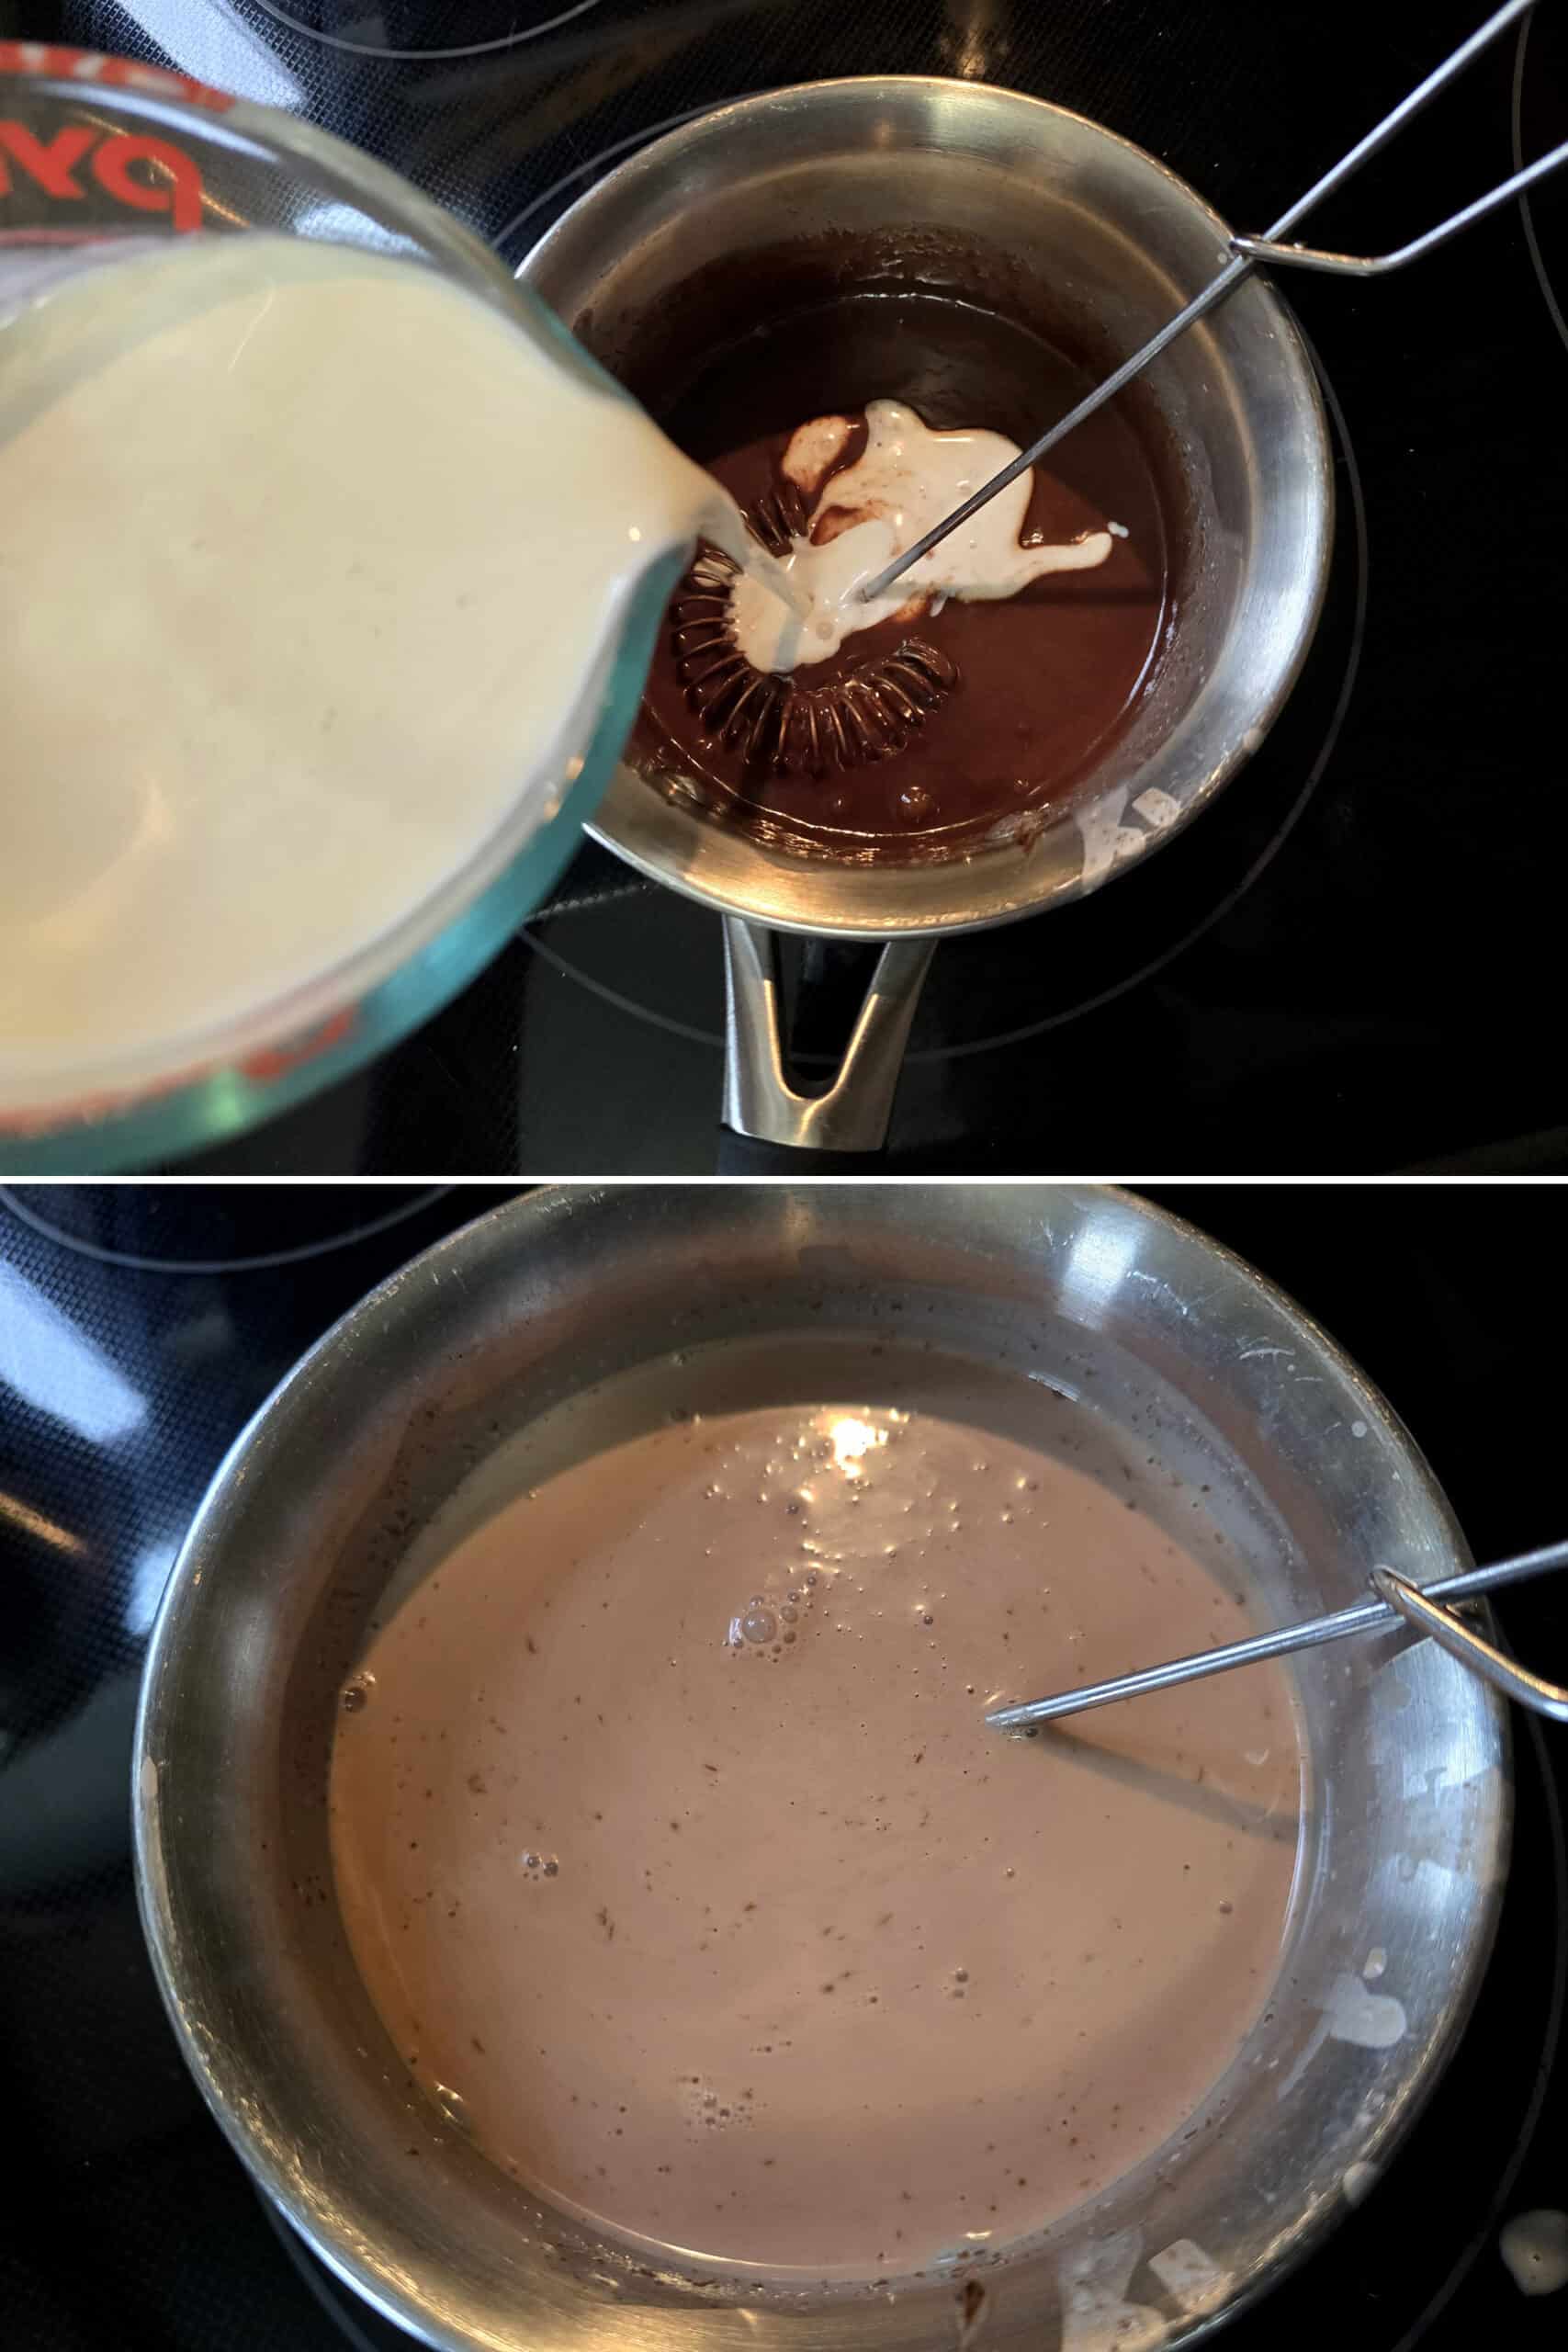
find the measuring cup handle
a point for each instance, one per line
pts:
(850, 1118)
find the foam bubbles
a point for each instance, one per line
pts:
(772, 1623)
(709, 2108)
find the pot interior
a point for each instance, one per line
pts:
(981, 196)
(431, 1405)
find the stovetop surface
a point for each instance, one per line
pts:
(1340, 967)
(139, 1329)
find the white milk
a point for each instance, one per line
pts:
(906, 479)
(306, 561)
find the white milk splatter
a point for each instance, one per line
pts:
(1096, 2314)
(1157, 808)
(907, 479)
(1187, 2273)
(1370, 2021)
(1350, 2013)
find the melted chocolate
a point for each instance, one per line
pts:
(928, 732)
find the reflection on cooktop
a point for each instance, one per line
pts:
(213, 1228)
(1540, 123)
(409, 30)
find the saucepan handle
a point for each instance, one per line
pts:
(770, 1126)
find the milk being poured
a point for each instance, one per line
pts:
(309, 566)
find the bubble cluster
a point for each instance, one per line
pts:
(770, 1625)
(709, 2109)
(539, 1866)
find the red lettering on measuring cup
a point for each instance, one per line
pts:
(172, 186)
(50, 166)
(176, 188)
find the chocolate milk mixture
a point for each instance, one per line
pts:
(678, 1860)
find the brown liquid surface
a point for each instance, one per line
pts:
(1046, 679)
(670, 1837)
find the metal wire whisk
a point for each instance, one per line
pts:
(1427, 1608)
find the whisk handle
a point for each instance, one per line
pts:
(1269, 249)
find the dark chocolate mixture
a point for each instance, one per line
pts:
(927, 731)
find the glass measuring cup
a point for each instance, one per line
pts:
(98, 160)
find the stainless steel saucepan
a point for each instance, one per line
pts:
(400, 1412)
(939, 179)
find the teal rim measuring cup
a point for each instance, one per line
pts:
(97, 155)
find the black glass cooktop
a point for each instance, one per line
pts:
(139, 1328)
(1347, 964)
